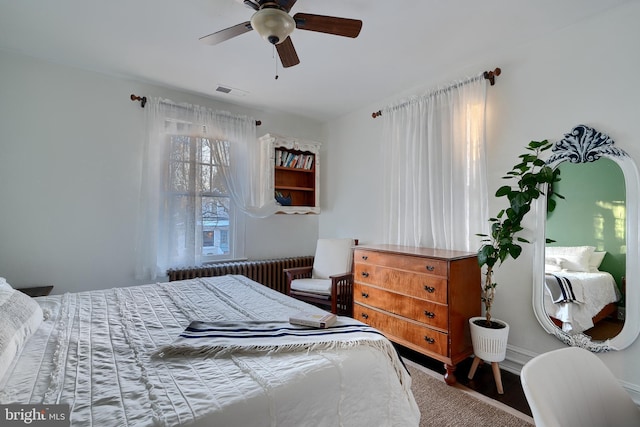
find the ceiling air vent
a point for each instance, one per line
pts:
(230, 90)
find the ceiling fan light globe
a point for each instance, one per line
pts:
(273, 25)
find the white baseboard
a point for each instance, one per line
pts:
(516, 359)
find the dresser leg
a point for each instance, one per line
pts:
(449, 377)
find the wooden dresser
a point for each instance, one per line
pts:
(419, 298)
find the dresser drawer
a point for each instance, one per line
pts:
(422, 286)
(404, 332)
(432, 314)
(435, 267)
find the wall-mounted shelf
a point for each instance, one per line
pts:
(294, 173)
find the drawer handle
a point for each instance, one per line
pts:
(429, 289)
(365, 295)
(365, 274)
(364, 257)
(430, 268)
(429, 340)
(365, 316)
(429, 314)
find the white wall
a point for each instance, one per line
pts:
(584, 74)
(70, 159)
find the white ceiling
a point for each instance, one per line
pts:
(403, 44)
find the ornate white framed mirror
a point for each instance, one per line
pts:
(587, 282)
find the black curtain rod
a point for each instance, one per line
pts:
(143, 102)
(489, 75)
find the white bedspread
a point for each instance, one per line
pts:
(595, 291)
(94, 351)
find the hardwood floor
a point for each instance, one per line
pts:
(482, 381)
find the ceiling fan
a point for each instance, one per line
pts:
(273, 22)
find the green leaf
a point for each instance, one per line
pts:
(537, 144)
(515, 251)
(487, 256)
(503, 191)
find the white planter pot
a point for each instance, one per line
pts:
(489, 344)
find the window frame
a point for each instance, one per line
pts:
(194, 224)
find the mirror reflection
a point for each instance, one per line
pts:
(586, 281)
(585, 265)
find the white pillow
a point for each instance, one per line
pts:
(596, 260)
(4, 284)
(20, 316)
(552, 264)
(576, 258)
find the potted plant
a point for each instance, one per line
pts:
(533, 177)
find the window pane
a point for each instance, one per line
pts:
(218, 185)
(215, 226)
(179, 163)
(206, 151)
(179, 176)
(205, 178)
(180, 239)
(179, 148)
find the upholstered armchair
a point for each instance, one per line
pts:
(329, 282)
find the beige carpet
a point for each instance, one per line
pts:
(445, 406)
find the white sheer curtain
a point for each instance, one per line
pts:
(245, 169)
(435, 191)
(232, 140)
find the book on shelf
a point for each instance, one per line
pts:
(316, 320)
(309, 163)
(297, 161)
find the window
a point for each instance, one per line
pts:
(192, 205)
(198, 205)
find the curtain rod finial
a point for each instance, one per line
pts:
(142, 99)
(491, 75)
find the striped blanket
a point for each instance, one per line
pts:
(561, 289)
(222, 338)
(214, 339)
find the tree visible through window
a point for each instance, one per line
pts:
(198, 202)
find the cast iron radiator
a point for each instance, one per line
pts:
(268, 272)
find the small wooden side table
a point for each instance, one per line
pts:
(36, 291)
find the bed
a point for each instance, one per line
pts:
(594, 298)
(577, 294)
(107, 354)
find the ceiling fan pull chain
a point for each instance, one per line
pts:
(273, 55)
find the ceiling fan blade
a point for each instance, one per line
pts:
(328, 24)
(227, 33)
(252, 4)
(285, 5)
(287, 53)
